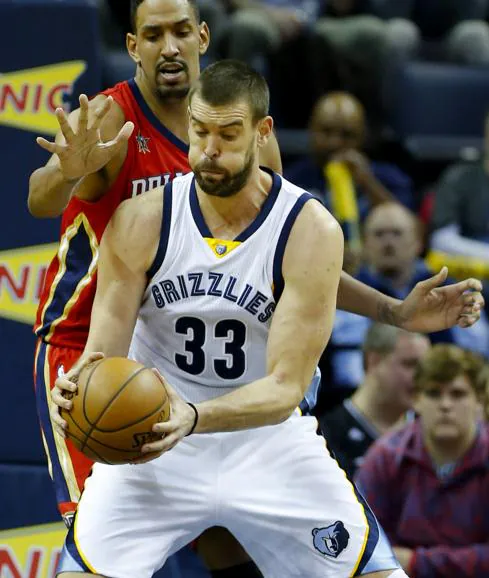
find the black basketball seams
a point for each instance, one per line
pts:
(127, 425)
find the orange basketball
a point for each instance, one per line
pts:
(117, 403)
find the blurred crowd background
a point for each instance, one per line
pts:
(381, 112)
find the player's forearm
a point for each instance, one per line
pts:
(356, 297)
(260, 403)
(49, 192)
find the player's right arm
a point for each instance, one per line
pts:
(127, 251)
(89, 148)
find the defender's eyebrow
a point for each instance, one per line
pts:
(226, 125)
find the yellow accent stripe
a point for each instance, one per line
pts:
(82, 555)
(61, 449)
(63, 249)
(367, 531)
(221, 247)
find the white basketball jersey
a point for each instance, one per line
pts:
(209, 303)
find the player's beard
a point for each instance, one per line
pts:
(228, 184)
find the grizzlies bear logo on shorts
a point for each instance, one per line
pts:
(331, 540)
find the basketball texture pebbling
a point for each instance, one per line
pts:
(117, 403)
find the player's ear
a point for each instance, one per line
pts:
(132, 47)
(204, 38)
(265, 129)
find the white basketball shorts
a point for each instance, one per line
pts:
(276, 488)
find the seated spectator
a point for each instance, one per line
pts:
(383, 400)
(455, 31)
(258, 28)
(337, 130)
(428, 483)
(392, 249)
(460, 218)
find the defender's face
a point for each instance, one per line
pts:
(222, 146)
(449, 411)
(168, 43)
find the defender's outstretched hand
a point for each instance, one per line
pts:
(430, 307)
(83, 151)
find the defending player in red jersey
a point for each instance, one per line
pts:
(125, 141)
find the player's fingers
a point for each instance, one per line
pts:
(100, 113)
(465, 321)
(115, 144)
(51, 147)
(468, 285)
(83, 118)
(60, 427)
(434, 281)
(63, 385)
(60, 400)
(64, 124)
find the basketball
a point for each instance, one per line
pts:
(117, 403)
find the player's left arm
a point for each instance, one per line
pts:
(300, 329)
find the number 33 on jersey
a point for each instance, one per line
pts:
(209, 303)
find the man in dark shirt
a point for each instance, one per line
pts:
(390, 356)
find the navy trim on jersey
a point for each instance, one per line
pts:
(373, 533)
(278, 280)
(70, 545)
(252, 227)
(60, 485)
(165, 230)
(77, 262)
(153, 119)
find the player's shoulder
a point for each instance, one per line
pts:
(313, 218)
(138, 217)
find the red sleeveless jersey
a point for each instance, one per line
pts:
(154, 157)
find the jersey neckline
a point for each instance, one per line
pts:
(253, 226)
(153, 119)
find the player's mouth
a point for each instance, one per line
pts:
(171, 72)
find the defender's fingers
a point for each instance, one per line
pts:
(51, 147)
(468, 285)
(83, 118)
(100, 113)
(64, 124)
(434, 281)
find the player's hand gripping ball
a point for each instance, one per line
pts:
(117, 403)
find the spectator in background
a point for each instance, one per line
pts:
(358, 40)
(392, 248)
(428, 483)
(390, 357)
(257, 28)
(460, 219)
(337, 130)
(454, 30)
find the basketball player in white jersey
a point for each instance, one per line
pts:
(228, 280)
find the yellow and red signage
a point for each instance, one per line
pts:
(31, 552)
(22, 273)
(28, 98)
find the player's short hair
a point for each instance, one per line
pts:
(445, 362)
(136, 3)
(229, 81)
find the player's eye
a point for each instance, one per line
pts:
(229, 137)
(184, 32)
